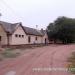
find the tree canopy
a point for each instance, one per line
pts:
(62, 29)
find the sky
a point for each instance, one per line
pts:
(35, 12)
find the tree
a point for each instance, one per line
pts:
(62, 29)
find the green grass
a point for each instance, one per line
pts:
(8, 53)
(9, 49)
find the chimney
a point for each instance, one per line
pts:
(42, 29)
(37, 27)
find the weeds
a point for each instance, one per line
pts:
(71, 60)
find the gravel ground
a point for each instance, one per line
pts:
(39, 61)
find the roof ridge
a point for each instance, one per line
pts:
(10, 27)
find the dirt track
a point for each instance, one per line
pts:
(43, 58)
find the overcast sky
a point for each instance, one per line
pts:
(36, 12)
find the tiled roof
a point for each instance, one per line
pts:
(9, 27)
(31, 31)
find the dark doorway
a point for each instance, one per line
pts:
(29, 39)
(0, 40)
(45, 40)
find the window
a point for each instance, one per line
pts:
(16, 35)
(19, 35)
(35, 38)
(29, 39)
(23, 36)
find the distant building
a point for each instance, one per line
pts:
(17, 34)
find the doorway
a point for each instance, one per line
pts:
(0, 40)
(45, 40)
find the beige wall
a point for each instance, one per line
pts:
(3, 36)
(40, 39)
(18, 40)
(33, 40)
(43, 39)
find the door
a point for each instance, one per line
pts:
(0, 40)
(45, 40)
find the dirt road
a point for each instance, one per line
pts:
(39, 61)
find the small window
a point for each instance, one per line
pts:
(29, 39)
(19, 35)
(35, 38)
(16, 35)
(23, 36)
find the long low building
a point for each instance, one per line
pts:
(17, 34)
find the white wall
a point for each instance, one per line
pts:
(33, 40)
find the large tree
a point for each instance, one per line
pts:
(62, 28)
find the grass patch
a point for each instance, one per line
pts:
(1, 58)
(10, 54)
(9, 49)
(71, 60)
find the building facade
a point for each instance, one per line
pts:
(17, 34)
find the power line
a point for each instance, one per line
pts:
(11, 9)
